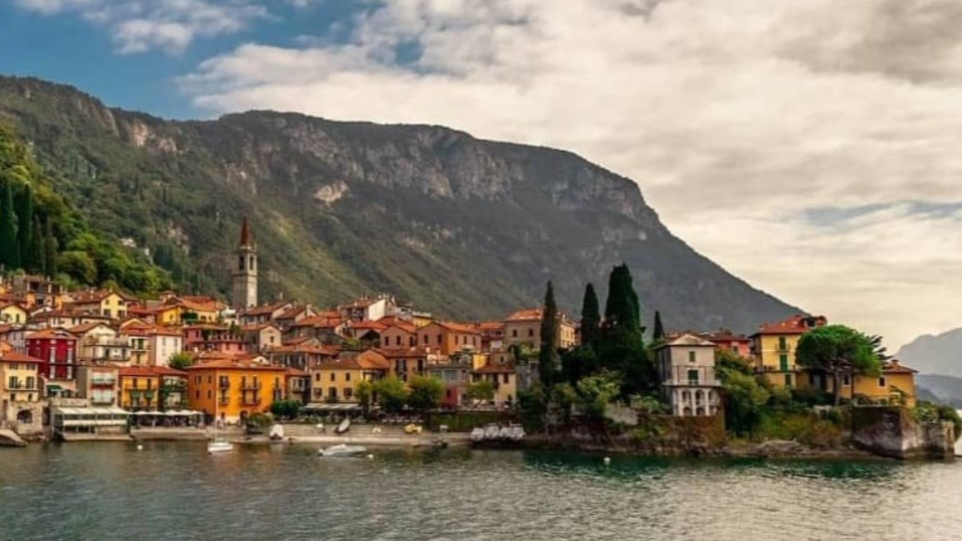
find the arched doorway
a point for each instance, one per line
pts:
(25, 417)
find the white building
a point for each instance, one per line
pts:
(686, 368)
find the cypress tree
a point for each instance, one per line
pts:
(548, 357)
(37, 258)
(50, 249)
(9, 249)
(590, 316)
(659, 328)
(621, 346)
(25, 227)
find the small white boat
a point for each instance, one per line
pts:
(342, 450)
(277, 432)
(517, 433)
(219, 447)
(477, 434)
(344, 426)
(504, 433)
(491, 432)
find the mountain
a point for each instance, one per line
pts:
(944, 389)
(940, 354)
(464, 227)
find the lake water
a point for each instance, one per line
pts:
(176, 491)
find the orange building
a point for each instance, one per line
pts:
(231, 389)
(447, 337)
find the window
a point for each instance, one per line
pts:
(347, 376)
(197, 394)
(210, 394)
(693, 377)
(881, 382)
(507, 378)
(397, 340)
(846, 381)
(530, 333)
(788, 380)
(348, 393)
(439, 339)
(240, 263)
(691, 356)
(514, 333)
(425, 339)
(782, 346)
(333, 376)
(783, 362)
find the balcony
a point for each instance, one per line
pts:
(23, 387)
(255, 386)
(102, 381)
(223, 384)
(223, 401)
(251, 400)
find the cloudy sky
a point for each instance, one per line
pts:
(811, 147)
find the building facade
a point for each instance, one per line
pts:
(686, 369)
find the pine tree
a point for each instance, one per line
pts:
(25, 227)
(37, 259)
(659, 328)
(50, 249)
(549, 360)
(590, 316)
(9, 249)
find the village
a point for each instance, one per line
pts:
(88, 363)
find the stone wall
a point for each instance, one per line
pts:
(892, 432)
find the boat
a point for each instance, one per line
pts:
(412, 429)
(277, 433)
(477, 435)
(344, 426)
(504, 433)
(491, 432)
(517, 433)
(218, 446)
(342, 450)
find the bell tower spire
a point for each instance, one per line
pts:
(244, 275)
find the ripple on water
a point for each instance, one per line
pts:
(177, 491)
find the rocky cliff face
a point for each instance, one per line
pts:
(465, 227)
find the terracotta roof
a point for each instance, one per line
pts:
(84, 327)
(59, 334)
(304, 348)
(369, 325)
(405, 353)
(245, 235)
(357, 363)
(528, 314)
(295, 373)
(293, 312)
(797, 324)
(235, 363)
(150, 371)
(324, 320)
(490, 326)
(463, 328)
(14, 357)
(495, 369)
(724, 335)
(372, 360)
(13, 304)
(264, 310)
(206, 327)
(256, 328)
(895, 367)
(405, 326)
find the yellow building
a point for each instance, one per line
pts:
(895, 385)
(103, 302)
(151, 388)
(524, 327)
(20, 392)
(505, 381)
(774, 345)
(231, 389)
(178, 311)
(334, 381)
(13, 313)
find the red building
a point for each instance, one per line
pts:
(725, 340)
(57, 351)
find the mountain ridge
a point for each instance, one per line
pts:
(463, 226)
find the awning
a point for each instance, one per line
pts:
(54, 388)
(331, 407)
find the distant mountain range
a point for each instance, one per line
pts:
(940, 354)
(464, 227)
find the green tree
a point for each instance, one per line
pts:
(564, 396)
(596, 392)
(391, 394)
(425, 393)
(25, 227)
(837, 350)
(50, 250)
(9, 249)
(364, 391)
(79, 265)
(549, 360)
(578, 362)
(286, 409)
(621, 347)
(36, 255)
(745, 398)
(659, 328)
(180, 361)
(590, 316)
(481, 391)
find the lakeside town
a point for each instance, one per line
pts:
(90, 364)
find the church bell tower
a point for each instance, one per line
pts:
(244, 276)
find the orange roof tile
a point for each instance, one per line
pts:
(58, 333)
(150, 371)
(495, 369)
(797, 324)
(14, 357)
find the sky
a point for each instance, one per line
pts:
(811, 148)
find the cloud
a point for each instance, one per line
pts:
(742, 121)
(170, 25)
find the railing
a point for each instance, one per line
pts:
(223, 401)
(256, 386)
(103, 381)
(224, 384)
(251, 401)
(23, 387)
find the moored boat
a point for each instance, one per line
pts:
(342, 450)
(219, 447)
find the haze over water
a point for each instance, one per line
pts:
(177, 491)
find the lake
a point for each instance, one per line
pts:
(177, 491)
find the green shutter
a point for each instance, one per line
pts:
(783, 362)
(693, 377)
